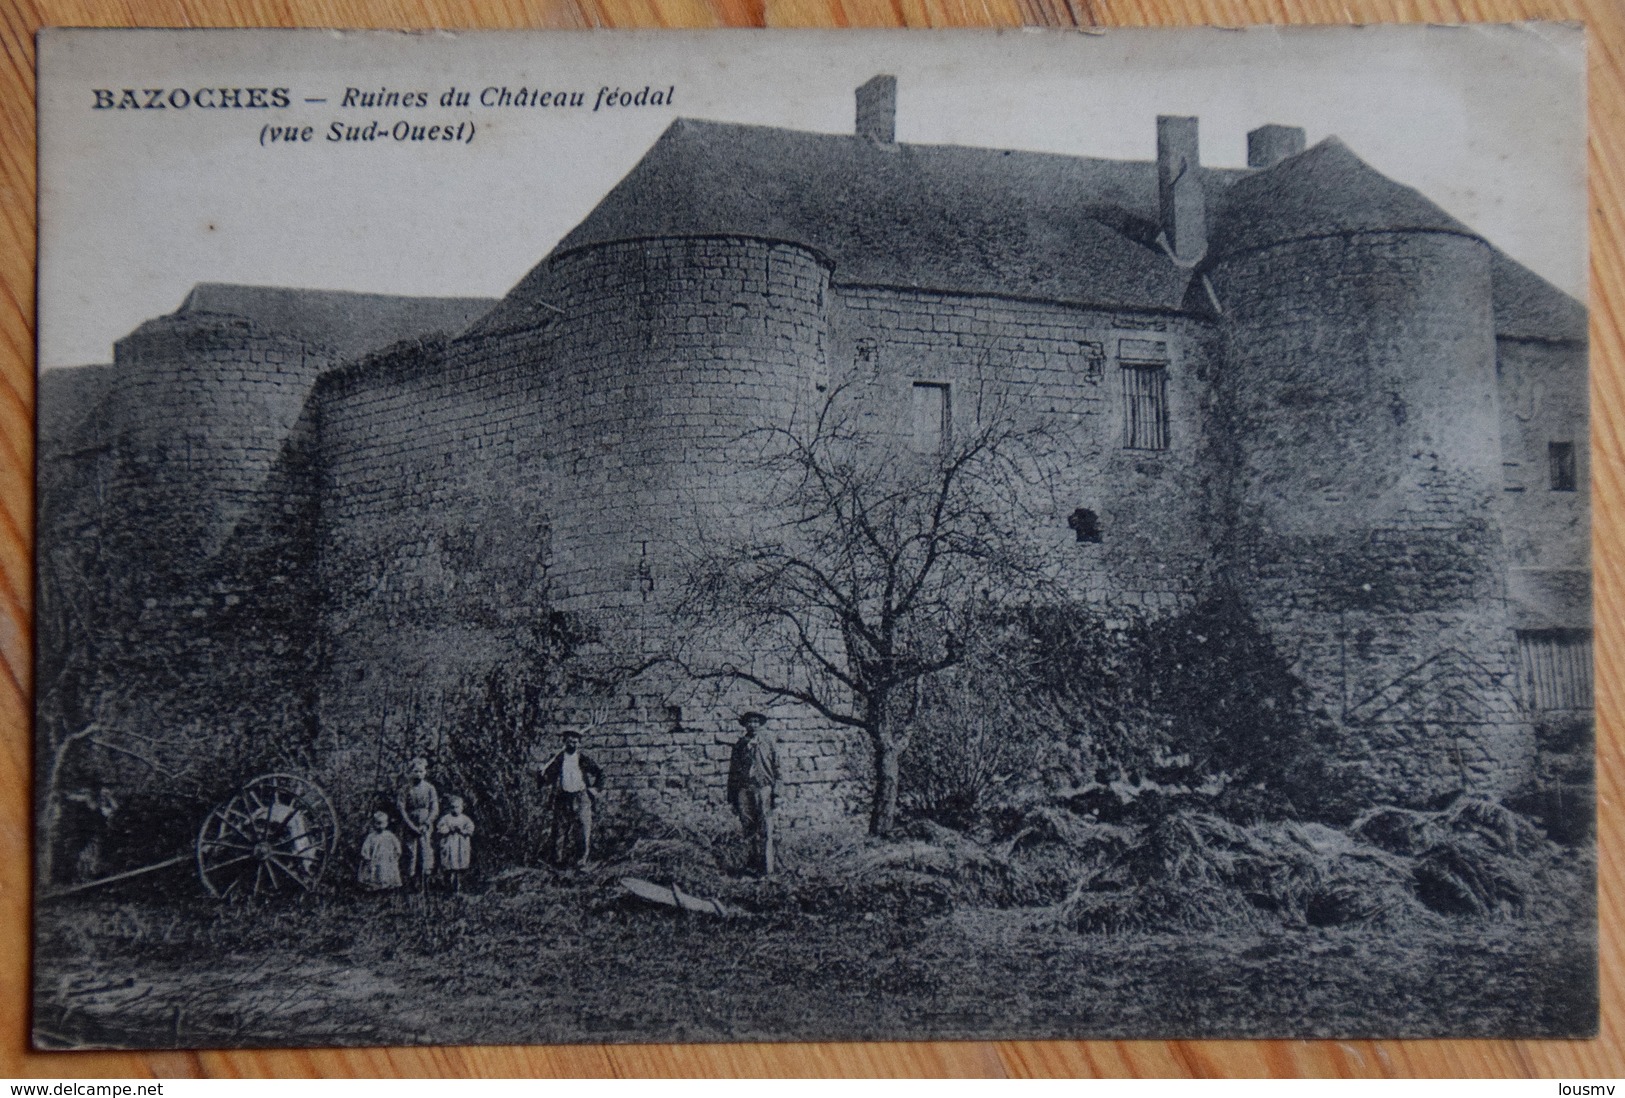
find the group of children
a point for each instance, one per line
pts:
(418, 804)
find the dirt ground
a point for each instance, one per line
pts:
(539, 957)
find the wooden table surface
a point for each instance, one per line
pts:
(1602, 1057)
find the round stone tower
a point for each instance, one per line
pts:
(667, 361)
(1358, 390)
(667, 354)
(204, 406)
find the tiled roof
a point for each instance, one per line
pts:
(973, 220)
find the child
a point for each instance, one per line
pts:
(419, 806)
(380, 856)
(456, 842)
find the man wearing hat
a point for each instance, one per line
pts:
(570, 782)
(753, 776)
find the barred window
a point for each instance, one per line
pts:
(932, 417)
(1145, 406)
(1556, 667)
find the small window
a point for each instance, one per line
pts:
(1560, 459)
(1556, 668)
(1086, 525)
(1145, 406)
(932, 417)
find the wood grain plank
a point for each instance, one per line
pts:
(1605, 20)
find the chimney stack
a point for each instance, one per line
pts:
(1267, 146)
(877, 110)
(1180, 196)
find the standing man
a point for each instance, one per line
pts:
(753, 778)
(571, 782)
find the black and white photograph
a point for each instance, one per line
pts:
(746, 536)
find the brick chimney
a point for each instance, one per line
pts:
(1180, 196)
(877, 110)
(1267, 146)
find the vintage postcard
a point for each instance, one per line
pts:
(747, 536)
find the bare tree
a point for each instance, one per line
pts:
(853, 576)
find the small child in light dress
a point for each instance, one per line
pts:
(380, 856)
(456, 842)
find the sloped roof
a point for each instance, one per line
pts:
(1529, 307)
(350, 324)
(1328, 190)
(936, 217)
(975, 220)
(1324, 191)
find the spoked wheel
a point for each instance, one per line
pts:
(275, 835)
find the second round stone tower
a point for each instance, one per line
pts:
(667, 355)
(669, 358)
(1358, 384)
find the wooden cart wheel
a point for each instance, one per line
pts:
(275, 835)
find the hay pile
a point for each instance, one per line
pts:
(1474, 858)
(925, 869)
(1051, 847)
(666, 859)
(1088, 840)
(1392, 867)
(1194, 870)
(692, 849)
(1186, 869)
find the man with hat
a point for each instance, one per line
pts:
(753, 777)
(570, 782)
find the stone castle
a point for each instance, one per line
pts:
(1302, 376)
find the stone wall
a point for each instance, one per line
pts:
(185, 533)
(434, 533)
(574, 463)
(1060, 369)
(1335, 432)
(1547, 526)
(590, 457)
(1335, 440)
(598, 450)
(666, 354)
